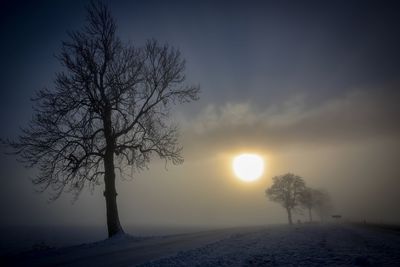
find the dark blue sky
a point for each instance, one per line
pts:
(260, 51)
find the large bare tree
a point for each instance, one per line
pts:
(109, 110)
(286, 190)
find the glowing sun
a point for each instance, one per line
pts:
(248, 167)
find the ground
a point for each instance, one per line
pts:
(300, 245)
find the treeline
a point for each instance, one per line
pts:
(294, 195)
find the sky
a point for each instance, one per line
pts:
(310, 86)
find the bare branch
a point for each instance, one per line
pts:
(110, 99)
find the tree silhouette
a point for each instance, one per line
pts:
(308, 200)
(323, 204)
(317, 200)
(108, 110)
(286, 189)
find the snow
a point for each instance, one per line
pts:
(300, 245)
(306, 245)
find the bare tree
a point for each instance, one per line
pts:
(322, 204)
(108, 109)
(317, 200)
(286, 189)
(307, 200)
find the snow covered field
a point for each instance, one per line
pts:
(302, 245)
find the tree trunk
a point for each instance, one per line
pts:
(309, 214)
(110, 193)
(289, 213)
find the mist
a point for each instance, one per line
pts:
(313, 91)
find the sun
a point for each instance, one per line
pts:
(248, 167)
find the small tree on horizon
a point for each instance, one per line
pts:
(286, 190)
(108, 109)
(322, 204)
(307, 200)
(317, 200)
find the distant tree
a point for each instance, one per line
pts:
(311, 199)
(286, 189)
(306, 201)
(322, 204)
(108, 109)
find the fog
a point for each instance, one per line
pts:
(347, 146)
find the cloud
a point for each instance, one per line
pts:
(355, 117)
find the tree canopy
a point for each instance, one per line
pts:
(291, 192)
(286, 189)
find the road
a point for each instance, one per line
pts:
(124, 251)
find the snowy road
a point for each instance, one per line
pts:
(305, 245)
(122, 251)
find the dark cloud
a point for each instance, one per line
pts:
(358, 116)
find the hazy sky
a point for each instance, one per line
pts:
(311, 86)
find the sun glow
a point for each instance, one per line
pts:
(248, 167)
